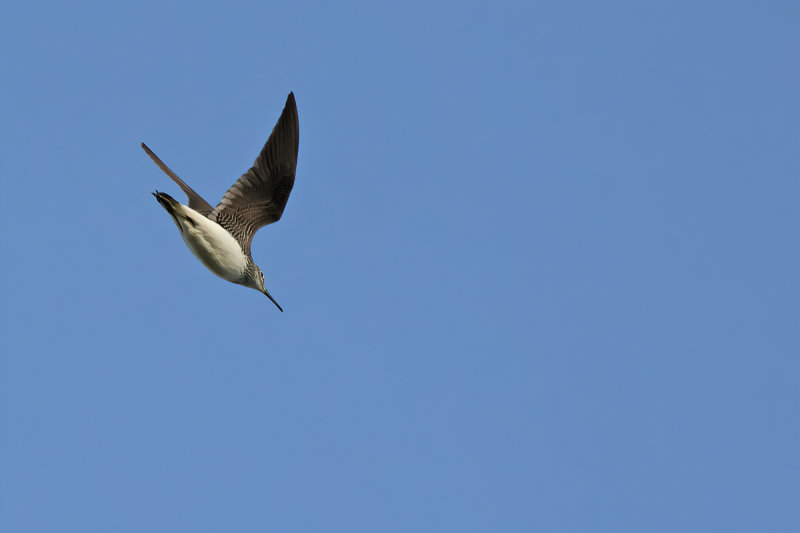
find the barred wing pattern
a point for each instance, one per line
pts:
(260, 195)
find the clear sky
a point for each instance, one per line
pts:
(540, 268)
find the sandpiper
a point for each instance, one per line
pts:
(220, 236)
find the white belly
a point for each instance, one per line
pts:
(213, 246)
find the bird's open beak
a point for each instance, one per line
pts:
(273, 300)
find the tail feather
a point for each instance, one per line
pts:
(167, 202)
(172, 206)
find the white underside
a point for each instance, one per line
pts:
(212, 245)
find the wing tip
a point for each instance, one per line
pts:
(289, 114)
(290, 102)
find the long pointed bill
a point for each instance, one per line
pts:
(273, 300)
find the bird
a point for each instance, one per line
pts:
(220, 236)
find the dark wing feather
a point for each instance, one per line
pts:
(259, 196)
(196, 201)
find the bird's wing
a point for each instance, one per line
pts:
(196, 201)
(259, 196)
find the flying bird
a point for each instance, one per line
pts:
(220, 236)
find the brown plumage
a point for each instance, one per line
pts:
(257, 198)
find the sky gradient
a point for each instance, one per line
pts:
(540, 268)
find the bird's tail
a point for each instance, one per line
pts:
(172, 206)
(167, 202)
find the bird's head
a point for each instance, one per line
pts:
(258, 284)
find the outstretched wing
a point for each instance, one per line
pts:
(259, 196)
(196, 201)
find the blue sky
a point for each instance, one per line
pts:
(539, 267)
